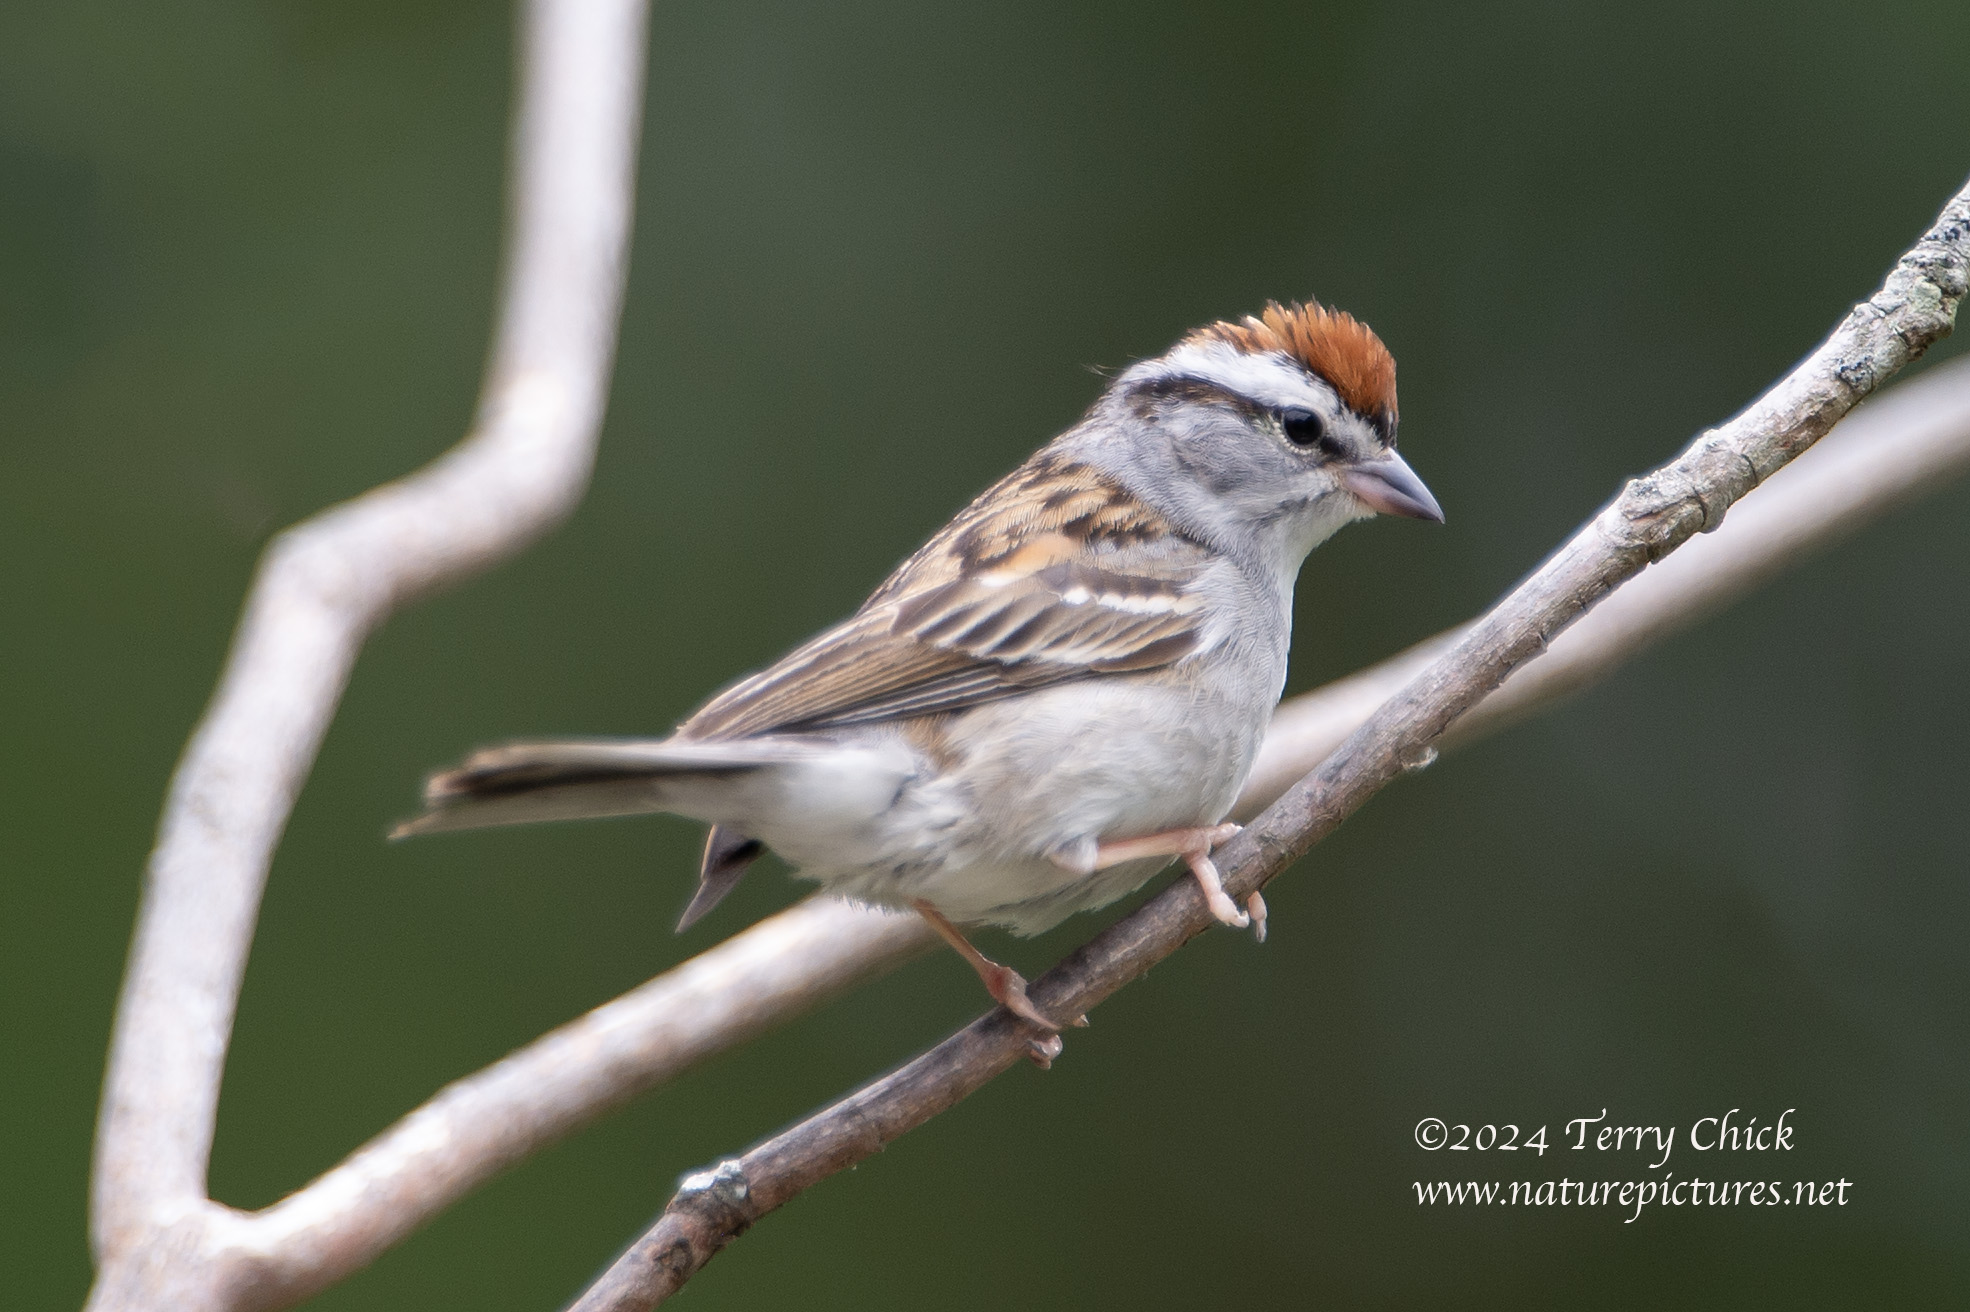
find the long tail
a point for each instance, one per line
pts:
(577, 779)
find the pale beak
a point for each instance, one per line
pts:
(1388, 486)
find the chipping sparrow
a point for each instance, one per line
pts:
(1060, 691)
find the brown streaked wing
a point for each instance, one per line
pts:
(1053, 574)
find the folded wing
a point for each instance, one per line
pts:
(1053, 575)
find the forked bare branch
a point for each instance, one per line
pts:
(321, 588)
(1653, 515)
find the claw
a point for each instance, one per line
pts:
(1006, 985)
(1193, 845)
(1215, 897)
(1008, 988)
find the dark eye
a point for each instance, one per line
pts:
(1303, 427)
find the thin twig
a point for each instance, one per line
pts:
(478, 1126)
(1651, 517)
(322, 587)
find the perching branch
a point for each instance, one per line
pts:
(1651, 517)
(322, 587)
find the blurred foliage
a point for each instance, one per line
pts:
(247, 260)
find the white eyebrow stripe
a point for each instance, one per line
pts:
(1268, 378)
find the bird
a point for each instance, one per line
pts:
(1061, 692)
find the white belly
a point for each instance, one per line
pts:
(1015, 780)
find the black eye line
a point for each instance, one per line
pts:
(1182, 387)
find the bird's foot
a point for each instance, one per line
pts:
(1006, 985)
(1008, 988)
(1198, 857)
(1205, 871)
(1194, 846)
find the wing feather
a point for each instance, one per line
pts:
(1056, 573)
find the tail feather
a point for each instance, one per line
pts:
(727, 855)
(577, 779)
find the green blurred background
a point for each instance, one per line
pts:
(247, 258)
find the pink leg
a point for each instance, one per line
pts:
(1205, 871)
(1006, 985)
(1171, 842)
(1194, 846)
